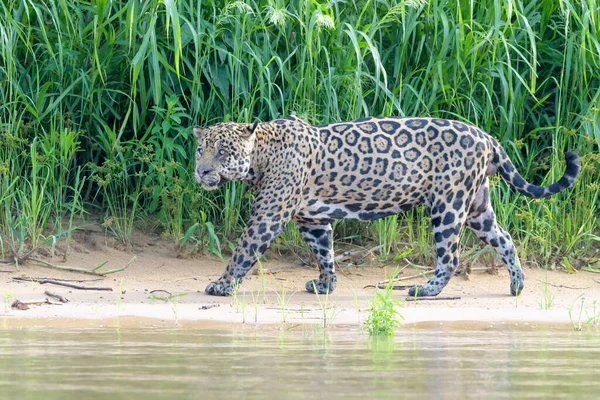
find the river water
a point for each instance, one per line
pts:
(301, 363)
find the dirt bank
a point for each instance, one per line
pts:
(275, 297)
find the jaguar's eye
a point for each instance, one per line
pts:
(199, 151)
(222, 152)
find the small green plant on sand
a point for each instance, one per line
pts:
(7, 297)
(384, 315)
(263, 281)
(239, 304)
(166, 298)
(577, 325)
(172, 299)
(283, 304)
(594, 319)
(576, 314)
(547, 300)
(328, 312)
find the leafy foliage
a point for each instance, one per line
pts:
(384, 315)
(108, 90)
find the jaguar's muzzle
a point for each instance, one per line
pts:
(212, 181)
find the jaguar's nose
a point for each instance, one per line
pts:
(201, 172)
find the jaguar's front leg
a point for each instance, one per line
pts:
(319, 236)
(274, 206)
(254, 242)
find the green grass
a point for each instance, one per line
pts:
(97, 100)
(547, 300)
(383, 316)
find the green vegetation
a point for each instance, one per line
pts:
(383, 315)
(7, 297)
(578, 321)
(328, 312)
(547, 300)
(576, 315)
(97, 99)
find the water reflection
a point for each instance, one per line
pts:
(305, 363)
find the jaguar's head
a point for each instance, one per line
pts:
(223, 153)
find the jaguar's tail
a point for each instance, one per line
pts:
(510, 174)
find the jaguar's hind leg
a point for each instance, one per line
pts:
(319, 237)
(447, 219)
(482, 221)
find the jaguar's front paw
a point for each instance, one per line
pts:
(320, 287)
(517, 284)
(218, 289)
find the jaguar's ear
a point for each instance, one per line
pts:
(198, 132)
(250, 130)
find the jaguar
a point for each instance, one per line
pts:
(365, 169)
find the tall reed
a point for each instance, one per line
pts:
(115, 85)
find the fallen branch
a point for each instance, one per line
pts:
(395, 287)
(56, 296)
(433, 298)
(93, 271)
(195, 277)
(37, 303)
(425, 271)
(54, 282)
(24, 305)
(67, 280)
(18, 258)
(300, 310)
(403, 278)
(564, 286)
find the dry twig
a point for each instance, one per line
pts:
(564, 286)
(395, 287)
(56, 296)
(24, 305)
(18, 259)
(94, 271)
(69, 280)
(403, 278)
(432, 298)
(54, 282)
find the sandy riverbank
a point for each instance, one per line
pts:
(484, 297)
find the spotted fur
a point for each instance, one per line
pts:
(365, 169)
